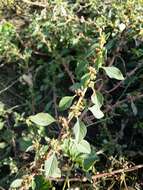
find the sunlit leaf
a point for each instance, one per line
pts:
(134, 108)
(113, 72)
(16, 183)
(2, 145)
(83, 147)
(42, 119)
(96, 112)
(74, 149)
(51, 167)
(1, 125)
(122, 27)
(65, 145)
(97, 99)
(80, 130)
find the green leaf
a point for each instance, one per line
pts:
(89, 161)
(75, 86)
(134, 108)
(16, 183)
(51, 167)
(69, 148)
(96, 112)
(1, 125)
(66, 102)
(39, 183)
(97, 99)
(8, 135)
(85, 79)
(76, 151)
(80, 131)
(113, 72)
(81, 67)
(65, 146)
(42, 119)
(73, 151)
(24, 143)
(91, 49)
(83, 147)
(1, 107)
(2, 145)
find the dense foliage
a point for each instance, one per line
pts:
(71, 101)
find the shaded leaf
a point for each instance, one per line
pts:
(85, 79)
(89, 161)
(75, 86)
(39, 183)
(81, 67)
(24, 143)
(66, 102)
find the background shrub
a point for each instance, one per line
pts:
(71, 93)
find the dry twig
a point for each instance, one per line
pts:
(69, 72)
(98, 176)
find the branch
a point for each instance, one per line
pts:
(111, 107)
(69, 72)
(55, 104)
(128, 99)
(137, 167)
(98, 176)
(9, 86)
(129, 74)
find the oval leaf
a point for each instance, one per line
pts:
(66, 102)
(97, 99)
(42, 119)
(79, 130)
(39, 182)
(96, 112)
(89, 161)
(51, 167)
(16, 183)
(134, 108)
(83, 147)
(113, 72)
